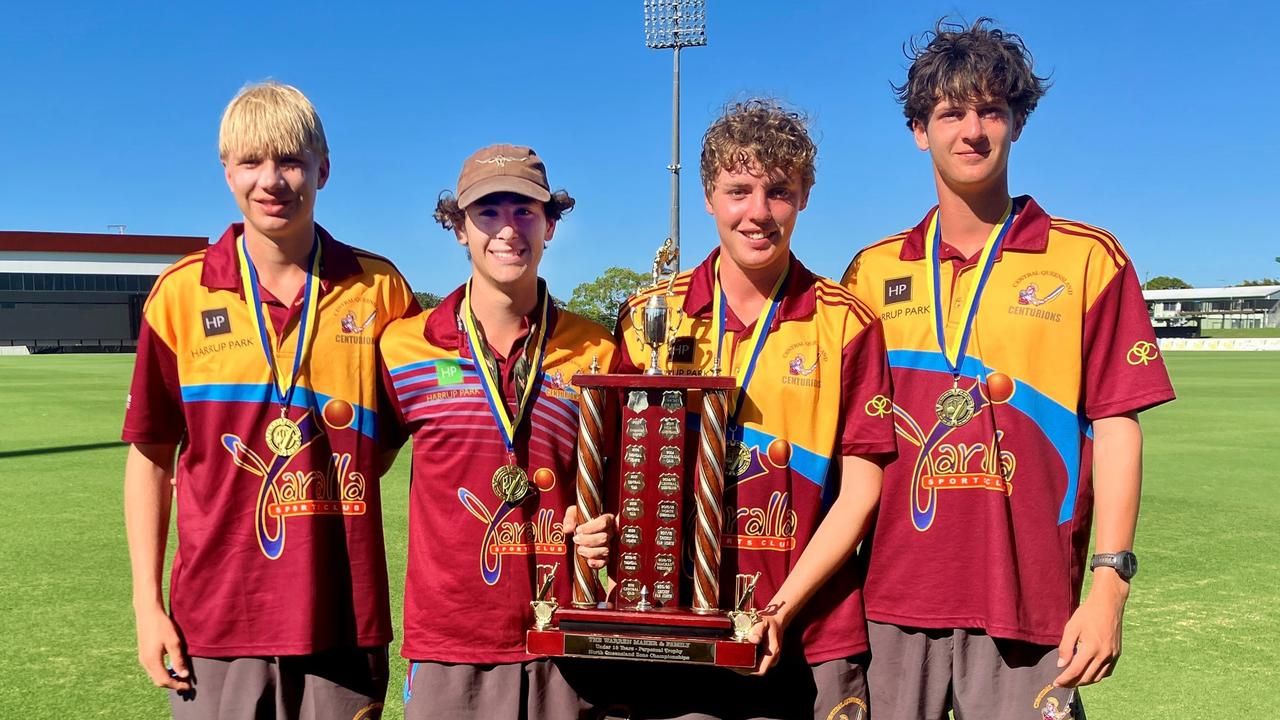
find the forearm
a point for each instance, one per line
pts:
(147, 503)
(836, 537)
(1117, 489)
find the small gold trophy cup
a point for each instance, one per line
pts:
(544, 608)
(654, 323)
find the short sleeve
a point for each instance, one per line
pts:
(866, 395)
(153, 411)
(1123, 369)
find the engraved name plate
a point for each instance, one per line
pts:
(669, 483)
(630, 562)
(632, 508)
(631, 535)
(637, 428)
(665, 564)
(668, 510)
(633, 482)
(666, 537)
(664, 591)
(669, 456)
(669, 428)
(634, 455)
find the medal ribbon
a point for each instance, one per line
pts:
(489, 383)
(282, 385)
(758, 336)
(953, 352)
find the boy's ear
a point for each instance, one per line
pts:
(551, 231)
(920, 131)
(323, 173)
(1017, 128)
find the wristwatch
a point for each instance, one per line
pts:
(1124, 563)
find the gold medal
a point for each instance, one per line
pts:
(510, 483)
(955, 407)
(284, 437)
(737, 459)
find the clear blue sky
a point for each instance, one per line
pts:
(1157, 127)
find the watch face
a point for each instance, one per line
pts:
(1128, 564)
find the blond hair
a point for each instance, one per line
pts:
(271, 119)
(759, 132)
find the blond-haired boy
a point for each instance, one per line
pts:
(278, 593)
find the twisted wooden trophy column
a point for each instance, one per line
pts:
(709, 503)
(590, 503)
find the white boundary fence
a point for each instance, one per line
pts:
(1167, 344)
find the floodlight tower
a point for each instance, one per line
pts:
(675, 24)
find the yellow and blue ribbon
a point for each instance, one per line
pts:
(953, 350)
(759, 336)
(507, 423)
(282, 385)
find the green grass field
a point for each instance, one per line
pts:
(1202, 637)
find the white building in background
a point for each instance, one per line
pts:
(1215, 308)
(80, 291)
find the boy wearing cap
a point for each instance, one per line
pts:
(482, 385)
(807, 431)
(278, 594)
(1021, 354)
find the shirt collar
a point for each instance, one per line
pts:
(222, 264)
(798, 298)
(1030, 231)
(442, 330)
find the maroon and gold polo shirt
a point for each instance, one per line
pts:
(986, 525)
(276, 555)
(820, 391)
(473, 558)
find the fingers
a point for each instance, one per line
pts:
(767, 634)
(1067, 647)
(153, 663)
(570, 523)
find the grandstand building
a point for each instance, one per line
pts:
(79, 291)
(1215, 308)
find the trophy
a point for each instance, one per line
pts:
(669, 512)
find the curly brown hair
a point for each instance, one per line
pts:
(961, 64)
(452, 217)
(759, 132)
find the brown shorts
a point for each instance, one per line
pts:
(921, 674)
(640, 691)
(344, 684)
(532, 690)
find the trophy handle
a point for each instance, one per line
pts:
(673, 328)
(638, 325)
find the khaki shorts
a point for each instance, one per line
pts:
(521, 691)
(345, 684)
(921, 674)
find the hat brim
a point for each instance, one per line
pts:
(503, 183)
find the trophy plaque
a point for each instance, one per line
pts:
(669, 510)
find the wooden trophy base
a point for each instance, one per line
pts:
(667, 635)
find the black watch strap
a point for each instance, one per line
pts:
(1124, 563)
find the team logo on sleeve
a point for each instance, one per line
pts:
(879, 406)
(897, 290)
(216, 322)
(1142, 353)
